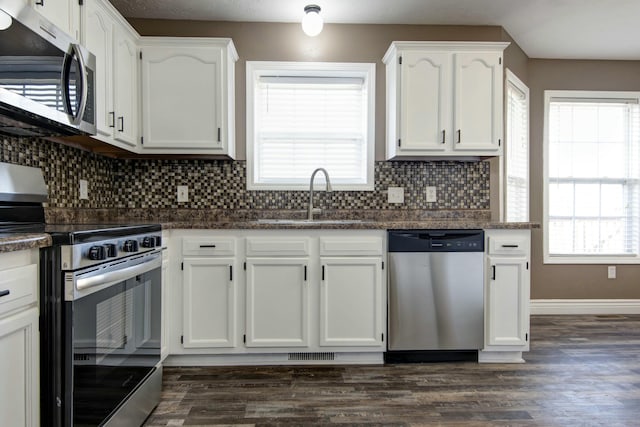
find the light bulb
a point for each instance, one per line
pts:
(5, 20)
(312, 22)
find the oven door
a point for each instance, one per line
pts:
(115, 334)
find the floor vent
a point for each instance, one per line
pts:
(312, 356)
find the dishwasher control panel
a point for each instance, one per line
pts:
(436, 241)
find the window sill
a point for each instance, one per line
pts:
(595, 259)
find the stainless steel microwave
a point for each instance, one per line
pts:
(47, 85)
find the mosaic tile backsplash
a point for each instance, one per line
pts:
(220, 184)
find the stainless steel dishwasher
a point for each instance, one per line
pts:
(436, 298)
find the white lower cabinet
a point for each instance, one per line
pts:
(261, 296)
(209, 292)
(351, 301)
(19, 339)
(506, 295)
(19, 386)
(277, 302)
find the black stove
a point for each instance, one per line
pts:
(100, 310)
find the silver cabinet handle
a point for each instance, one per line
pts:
(509, 246)
(443, 133)
(112, 114)
(5, 293)
(207, 246)
(493, 275)
(121, 120)
(458, 142)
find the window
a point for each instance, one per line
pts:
(517, 150)
(592, 167)
(302, 116)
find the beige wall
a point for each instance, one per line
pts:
(336, 43)
(573, 281)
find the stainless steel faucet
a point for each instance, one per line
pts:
(328, 189)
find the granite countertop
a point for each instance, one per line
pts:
(19, 242)
(173, 219)
(279, 224)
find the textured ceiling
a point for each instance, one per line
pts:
(573, 29)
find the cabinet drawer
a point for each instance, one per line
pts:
(508, 246)
(212, 246)
(18, 287)
(267, 246)
(351, 245)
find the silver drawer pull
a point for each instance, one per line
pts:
(509, 246)
(207, 246)
(5, 293)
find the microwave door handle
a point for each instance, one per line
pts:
(76, 52)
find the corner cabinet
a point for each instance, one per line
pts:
(507, 283)
(114, 43)
(444, 99)
(187, 95)
(19, 339)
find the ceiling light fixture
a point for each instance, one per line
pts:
(312, 22)
(5, 20)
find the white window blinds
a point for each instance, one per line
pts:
(517, 151)
(306, 116)
(593, 176)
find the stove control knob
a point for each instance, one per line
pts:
(158, 240)
(111, 249)
(96, 253)
(148, 242)
(130, 246)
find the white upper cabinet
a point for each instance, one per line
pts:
(125, 98)
(114, 44)
(444, 99)
(477, 118)
(187, 87)
(65, 14)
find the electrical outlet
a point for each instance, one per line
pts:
(611, 272)
(183, 193)
(432, 196)
(395, 194)
(84, 189)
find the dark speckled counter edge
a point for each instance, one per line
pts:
(19, 242)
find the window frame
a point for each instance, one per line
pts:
(257, 69)
(548, 258)
(512, 79)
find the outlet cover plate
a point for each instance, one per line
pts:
(432, 195)
(84, 189)
(395, 194)
(183, 193)
(611, 272)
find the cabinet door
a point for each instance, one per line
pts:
(507, 302)
(98, 38)
(19, 379)
(351, 302)
(181, 97)
(65, 14)
(209, 302)
(478, 101)
(277, 302)
(425, 102)
(125, 88)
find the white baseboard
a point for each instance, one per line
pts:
(585, 306)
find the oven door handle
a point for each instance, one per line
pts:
(104, 280)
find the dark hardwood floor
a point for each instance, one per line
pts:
(581, 371)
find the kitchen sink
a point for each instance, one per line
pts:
(309, 221)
